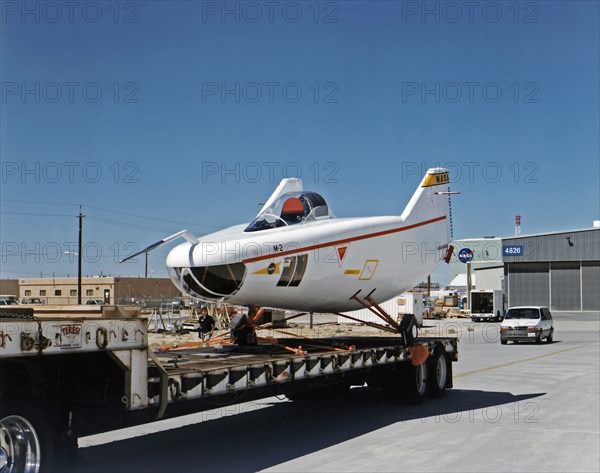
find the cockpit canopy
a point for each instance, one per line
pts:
(291, 208)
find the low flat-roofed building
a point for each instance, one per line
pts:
(9, 287)
(111, 290)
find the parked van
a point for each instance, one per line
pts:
(531, 323)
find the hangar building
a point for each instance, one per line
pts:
(560, 270)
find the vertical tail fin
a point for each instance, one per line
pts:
(430, 200)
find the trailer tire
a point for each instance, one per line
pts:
(439, 370)
(409, 384)
(415, 384)
(24, 431)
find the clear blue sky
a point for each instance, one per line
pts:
(159, 116)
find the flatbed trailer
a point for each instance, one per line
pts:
(65, 378)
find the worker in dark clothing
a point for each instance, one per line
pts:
(207, 325)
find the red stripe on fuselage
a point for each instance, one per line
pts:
(340, 242)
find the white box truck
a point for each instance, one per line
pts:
(487, 304)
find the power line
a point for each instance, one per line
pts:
(110, 211)
(36, 214)
(38, 202)
(97, 219)
(152, 218)
(129, 224)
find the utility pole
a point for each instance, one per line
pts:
(469, 284)
(146, 271)
(429, 285)
(79, 256)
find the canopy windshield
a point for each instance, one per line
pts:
(292, 208)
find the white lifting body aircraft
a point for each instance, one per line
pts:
(296, 255)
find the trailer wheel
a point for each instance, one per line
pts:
(26, 444)
(439, 369)
(409, 385)
(415, 383)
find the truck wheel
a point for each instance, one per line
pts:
(538, 339)
(504, 342)
(408, 383)
(26, 444)
(415, 384)
(550, 337)
(439, 370)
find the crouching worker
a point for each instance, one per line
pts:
(207, 325)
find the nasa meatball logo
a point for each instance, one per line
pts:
(465, 255)
(271, 268)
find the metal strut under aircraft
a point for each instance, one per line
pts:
(407, 328)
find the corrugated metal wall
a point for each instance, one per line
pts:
(490, 278)
(528, 283)
(561, 285)
(560, 270)
(565, 285)
(590, 285)
(578, 245)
